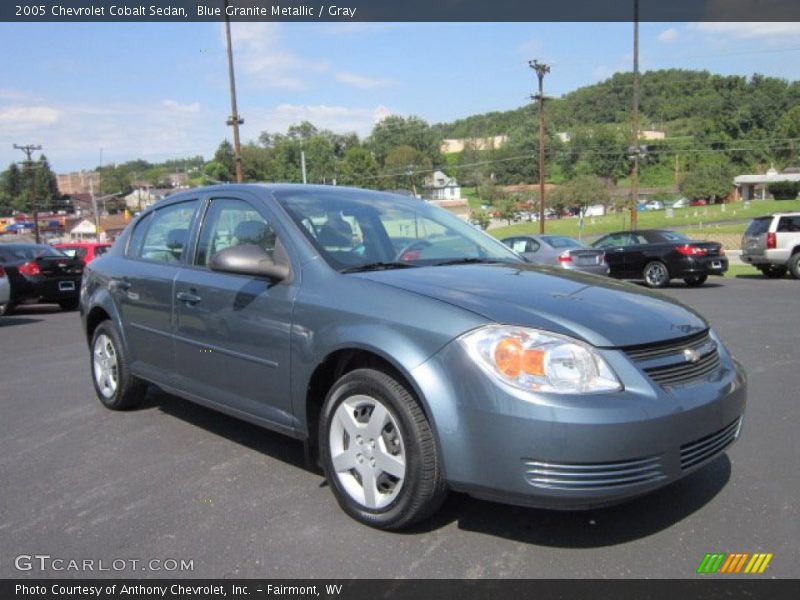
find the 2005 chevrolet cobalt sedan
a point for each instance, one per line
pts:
(410, 352)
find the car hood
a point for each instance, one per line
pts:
(601, 311)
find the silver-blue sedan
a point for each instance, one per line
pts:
(411, 353)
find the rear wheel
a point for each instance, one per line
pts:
(794, 265)
(773, 271)
(378, 451)
(116, 388)
(695, 280)
(656, 274)
(69, 304)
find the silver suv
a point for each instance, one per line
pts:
(772, 244)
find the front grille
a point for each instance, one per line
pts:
(685, 372)
(708, 447)
(592, 476)
(667, 363)
(661, 349)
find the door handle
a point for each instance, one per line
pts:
(188, 297)
(122, 284)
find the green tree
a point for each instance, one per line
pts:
(711, 177)
(11, 182)
(784, 190)
(406, 167)
(358, 168)
(507, 208)
(224, 157)
(395, 131)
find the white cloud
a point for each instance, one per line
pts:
(174, 106)
(73, 134)
(746, 30)
(668, 35)
(341, 119)
(264, 61)
(17, 119)
(361, 81)
(259, 54)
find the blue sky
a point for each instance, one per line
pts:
(156, 91)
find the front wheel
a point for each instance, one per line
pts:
(695, 280)
(116, 388)
(378, 451)
(656, 274)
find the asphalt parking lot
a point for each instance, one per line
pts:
(174, 480)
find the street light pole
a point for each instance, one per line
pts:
(541, 71)
(234, 120)
(29, 149)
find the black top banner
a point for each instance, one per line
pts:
(398, 10)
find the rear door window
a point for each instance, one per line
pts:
(167, 233)
(789, 224)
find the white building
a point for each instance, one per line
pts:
(441, 187)
(746, 184)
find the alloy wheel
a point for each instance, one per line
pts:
(656, 274)
(105, 366)
(367, 451)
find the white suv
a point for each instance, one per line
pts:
(772, 244)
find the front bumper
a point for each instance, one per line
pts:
(576, 452)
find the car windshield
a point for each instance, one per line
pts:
(358, 230)
(558, 241)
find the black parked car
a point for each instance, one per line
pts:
(40, 273)
(658, 255)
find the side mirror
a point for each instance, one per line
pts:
(248, 259)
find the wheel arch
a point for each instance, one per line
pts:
(339, 362)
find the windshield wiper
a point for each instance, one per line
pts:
(466, 261)
(377, 266)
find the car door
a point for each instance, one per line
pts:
(232, 332)
(637, 253)
(142, 287)
(614, 247)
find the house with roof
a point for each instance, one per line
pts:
(752, 187)
(441, 187)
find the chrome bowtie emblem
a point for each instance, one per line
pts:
(691, 355)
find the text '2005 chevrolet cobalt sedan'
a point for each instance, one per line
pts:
(411, 353)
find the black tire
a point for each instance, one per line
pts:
(69, 304)
(422, 488)
(773, 271)
(695, 280)
(656, 274)
(794, 265)
(128, 391)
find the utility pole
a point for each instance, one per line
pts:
(234, 120)
(29, 149)
(303, 164)
(541, 71)
(635, 172)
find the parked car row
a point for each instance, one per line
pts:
(653, 255)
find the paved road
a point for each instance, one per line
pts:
(173, 480)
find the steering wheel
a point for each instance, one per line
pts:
(413, 247)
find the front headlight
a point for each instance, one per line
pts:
(539, 361)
